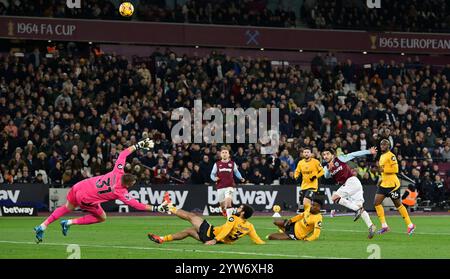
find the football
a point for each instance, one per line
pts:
(276, 208)
(126, 9)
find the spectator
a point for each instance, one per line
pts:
(56, 173)
(11, 129)
(287, 158)
(197, 177)
(438, 195)
(427, 186)
(205, 168)
(160, 172)
(446, 153)
(257, 177)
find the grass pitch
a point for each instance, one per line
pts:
(126, 237)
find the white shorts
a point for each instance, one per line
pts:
(352, 190)
(225, 193)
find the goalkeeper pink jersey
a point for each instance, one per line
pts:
(99, 189)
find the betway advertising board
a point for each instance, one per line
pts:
(201, 198)
(204, 198)
(17, 197)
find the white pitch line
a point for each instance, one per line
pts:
(424, 233)
(358, 231)
(173, 249)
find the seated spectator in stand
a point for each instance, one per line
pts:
(196, 176)
(160, 172)
(258, 178)
(287, 178)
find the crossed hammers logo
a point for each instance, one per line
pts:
(251, 37)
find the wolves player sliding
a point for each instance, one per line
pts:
(222, 174)
(350, 194)
(237, 226)
(88, 194)
(305, 226)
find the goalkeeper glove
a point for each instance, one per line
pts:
(144, 144)
(160, 208)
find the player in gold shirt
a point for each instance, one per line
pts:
(311, 170)
(305, 226)
(236, 227)
(389, 186)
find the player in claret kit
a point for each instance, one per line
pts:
(350, 194)
(237, 226)
(90, 193)
(223, 174)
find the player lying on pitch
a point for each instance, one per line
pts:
(90, 193)
(305, 226)
(236, 227)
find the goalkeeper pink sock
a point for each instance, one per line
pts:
(86, 220)
(58, 213)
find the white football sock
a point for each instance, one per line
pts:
(348, 204)
(43, 226)
(365, 216)
(230, 212)
(384, 225)
(69, 222)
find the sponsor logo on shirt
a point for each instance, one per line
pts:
(225, 170)
(336, 170)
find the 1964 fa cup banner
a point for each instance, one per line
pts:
(152, 33)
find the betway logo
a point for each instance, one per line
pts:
(215, 209)
(250, 197)
(18, 210)
(9, 195)
(225, 169)
(148, 196)
(336, 170)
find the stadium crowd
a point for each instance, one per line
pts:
(229, 12)
(67, 118)
(406, 15)
(415, 15)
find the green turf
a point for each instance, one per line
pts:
(125, 237)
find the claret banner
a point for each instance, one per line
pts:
(151, 33)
